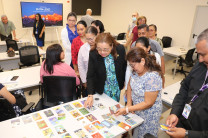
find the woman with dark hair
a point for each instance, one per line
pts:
(144, 91)
(99, 25)
(68, 34)
(38, 30)
(83, 55)
(53, 65)
(106, 68)
(153, 34)
(78, 42)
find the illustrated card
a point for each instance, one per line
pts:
(90, 128)
(164, 127)
(130, 122)
(101, 106)
(58, 110)
(77, 105)
(98, 125)
(48, 113)
(42, 124)
(124, 126)
(68, 107)
(97, 135)
(78, 119)
(27, 119)
(48, 133)
(91, 118)
(113, 121)
(61, 116)
(114, 108)
(53, 120)
(75, 113)
(36, 116)
(126, 116)
(83, 111)
(107, 134)
(106, 116)
(80, 133)
(60, 129)
(67, 135)
(92, 108)
(107, 124)
(83, 102)
(15, 122)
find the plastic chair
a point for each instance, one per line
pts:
(56, 90)
(29, 55)
(166, 40)
(12, 44)
(121, 36)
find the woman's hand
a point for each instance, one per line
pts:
(89, 101)
(40, 36)
(121, 111)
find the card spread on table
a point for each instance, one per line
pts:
(68, 107)
(92, 108)
(114, 108)
(75, 113)
(107, 124)
(90, 128)
(130, 121)
(48, 133)
(48, 113)
(77, 105)
(53, 120)
(98, 125)
(106, 116)
(27, 119)
(124, 126)
(67, 135)
(91, 118)
(60, 129)
(42, 124)
(97, 135)
(80, 133)
(36, 116)
(107, 134)
(84, 111)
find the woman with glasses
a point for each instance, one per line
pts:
(83, 55)
(153, 34)
(68, 34)
(106, 68)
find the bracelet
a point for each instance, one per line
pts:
(89, 95)
(127, 110)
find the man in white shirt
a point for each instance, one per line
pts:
(88, 18)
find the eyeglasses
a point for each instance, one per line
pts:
(132, 65)
(104, 50)
(72, 20)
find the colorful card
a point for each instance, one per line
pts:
(36, 116)
(126, 116)
(48, 113)
(92, 108)
(68, 107)
(42, 124)
(60, 129)
(106, 116)
(48, 133)
(114, 108)
(75, 113)
(91, 118)
(61, 116)
(67, 135)
(27, 119)
(78, 119)
(107, 124)
(54, 120)
(58, 110)
(80, 133)
(83, 102)
(130, 122)
(113, 121)
(98, 125)
(77, 105)
(124, 126)
(83, 111)
(15, 122)
(164, 127)
(97, 135)
(101, 106)
(90, 128)
(107, 134)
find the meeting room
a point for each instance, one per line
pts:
(103, 68)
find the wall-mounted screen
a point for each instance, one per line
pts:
(51, 13)
(80, 6)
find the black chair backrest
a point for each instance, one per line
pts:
(12, 44)
(189, 57)
(166, 40)
(121, 36)
(6, 110)
(29, 55)
(58, 89)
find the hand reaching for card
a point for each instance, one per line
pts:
(121, 111)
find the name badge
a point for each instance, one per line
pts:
(186, 111)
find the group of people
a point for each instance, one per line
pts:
(104, 67)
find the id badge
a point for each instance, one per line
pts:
(36, 32)
(186, 111)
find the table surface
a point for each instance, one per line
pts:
(2, 43)
(175, 51)
(171, 91)
(28, 77)
(64, 121)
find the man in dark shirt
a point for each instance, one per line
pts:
(189, 114)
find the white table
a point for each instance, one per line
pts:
(175, 52)
(28, 77)
(169, 93)
(70, 123)
(8, 63)
(20, 43)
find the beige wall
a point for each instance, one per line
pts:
(172, 17)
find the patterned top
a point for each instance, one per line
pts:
(111, 87)
(159, 41)
(76, 44)
(149, 82)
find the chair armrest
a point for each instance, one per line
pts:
(27, 107)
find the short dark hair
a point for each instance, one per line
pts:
(91, 30)
(83, 23)
(153, 25)
(144, 41)
(72, 14)
(143, 26)
(53, 53)
(100, 24)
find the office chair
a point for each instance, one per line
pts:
(12, 44)
(56, 90)
(121, 36)
(166, 40)
(29, 55)
(188, 61)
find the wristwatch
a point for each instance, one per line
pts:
(186, 134)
